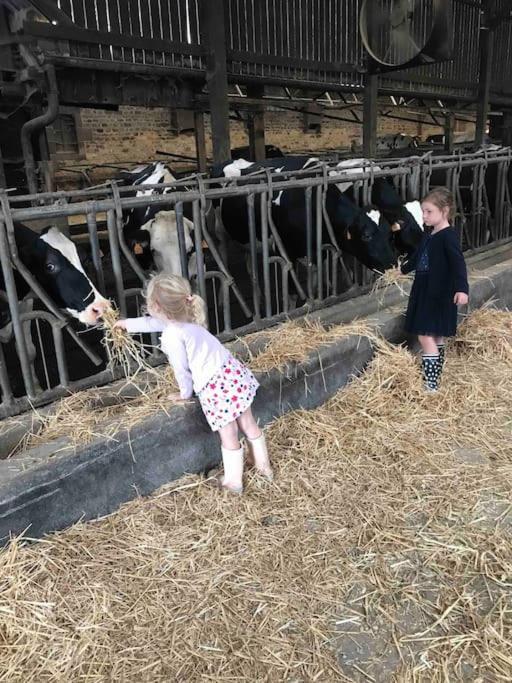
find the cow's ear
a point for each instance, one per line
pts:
(349, 234)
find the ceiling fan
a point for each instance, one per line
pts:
(399, 34)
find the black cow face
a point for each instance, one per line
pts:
(139, 243)
(370, 243)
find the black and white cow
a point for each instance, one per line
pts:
(53, 261)
(151, 232)
(354, 230)
(386, 208)
(405, 218)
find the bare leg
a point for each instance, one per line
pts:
(229, 436)
(248, 425)
(430, 362)
(428, 344)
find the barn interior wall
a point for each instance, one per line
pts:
(133, 134)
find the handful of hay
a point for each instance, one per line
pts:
(393, 277)
(122, 349)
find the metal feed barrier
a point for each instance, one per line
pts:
(328, 275)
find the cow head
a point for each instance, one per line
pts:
(139, 243)
(54, 262)
(370, 242)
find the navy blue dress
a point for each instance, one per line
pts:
(440, 273)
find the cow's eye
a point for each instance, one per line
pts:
(50, 267)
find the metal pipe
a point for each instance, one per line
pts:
(12, 295)
(254, 257)
(95, 250)
(180, 228)
(5, 384)
(266, 255)
(116, 261)
(35, 124)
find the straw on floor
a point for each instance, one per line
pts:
(382, 548)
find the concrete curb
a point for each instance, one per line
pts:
(96, 479)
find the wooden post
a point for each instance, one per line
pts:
(370, 113)
(216, 77)
(448, 132)
(256, 125)
(200, 141)
(484, 83)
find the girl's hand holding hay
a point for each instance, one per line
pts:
(121, 324)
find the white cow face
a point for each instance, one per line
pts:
(164, 241)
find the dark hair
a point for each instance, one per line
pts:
(443, 199)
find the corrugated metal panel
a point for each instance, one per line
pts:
(304, 40)
(157, 20)
(502, 61)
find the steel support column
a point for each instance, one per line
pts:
(484, 84)
(216, 77)
(370, 114)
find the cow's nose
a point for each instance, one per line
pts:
(99, 308)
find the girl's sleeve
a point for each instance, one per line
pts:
(144, 324)
(457, 263)
(409, 264)
(177, 355)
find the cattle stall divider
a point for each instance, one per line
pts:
(237, 304)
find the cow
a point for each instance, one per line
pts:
(53, 261)
(405, 218)
(386, 207)
(151, 232)
(355, 232)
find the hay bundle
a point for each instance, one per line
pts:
(485, 333)
(392, 277)
(122, 349)
(377, 554)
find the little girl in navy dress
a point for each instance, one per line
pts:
(224, 386)
(440, 283)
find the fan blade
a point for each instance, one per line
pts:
(403, 43)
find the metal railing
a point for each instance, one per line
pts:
(239, 300)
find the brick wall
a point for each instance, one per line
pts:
(133, 134)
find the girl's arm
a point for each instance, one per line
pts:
(457, 263)
(177, 355)
(143, 324)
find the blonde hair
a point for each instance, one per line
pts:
(443, 199)
(172, 296)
